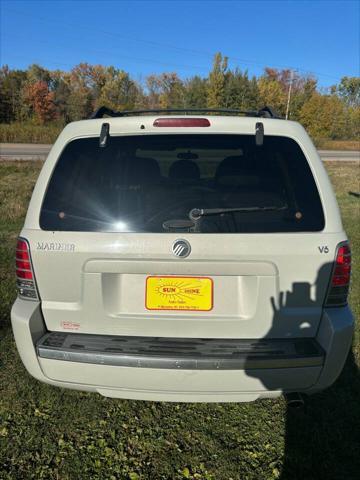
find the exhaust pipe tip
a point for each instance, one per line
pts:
(294, 400)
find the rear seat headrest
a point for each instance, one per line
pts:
(148, 170)
(184, 170)
(230, 166)
(236, 170)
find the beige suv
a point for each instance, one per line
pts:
(182, 257)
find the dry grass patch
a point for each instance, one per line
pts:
(326, 144)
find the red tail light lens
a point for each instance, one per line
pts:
(181, 122)
(340, 280)
(22, 255)
(25, 279)
(24, 274)
(20, 264)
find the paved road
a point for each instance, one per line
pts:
(25, 151)
(336, 155)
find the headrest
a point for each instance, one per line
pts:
(184, 170)
(236, 171)
(230, 166)
(149, 170)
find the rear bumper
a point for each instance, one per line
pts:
(190, 382)
(180, 353)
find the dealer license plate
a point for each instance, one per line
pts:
(179, 293)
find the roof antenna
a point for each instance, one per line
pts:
(104, 135)
(259, 134)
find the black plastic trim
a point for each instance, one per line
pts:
(181, 353)
(265, 112)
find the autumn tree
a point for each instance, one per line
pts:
(81, 100)
(11, 85)
(324, 116)
(118, 92)
(41, 100)
(36, 73)
(165, 91)
(240, 92)
(153, 89)
(62, 90)
(195, 92)
(274, 88)
(353, 123)
(301, 93)
(216, 83)
(349, 91)
(43, 95)
(272, 94)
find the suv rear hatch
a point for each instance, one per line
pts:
(106, 259)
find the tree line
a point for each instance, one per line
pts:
(41, 96)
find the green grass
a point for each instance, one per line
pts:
(50, 433)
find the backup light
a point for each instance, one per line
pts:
(25, 279)
(340, 279)
(181, 122)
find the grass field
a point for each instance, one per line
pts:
(50, 433)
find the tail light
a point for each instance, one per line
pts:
(181, 122)
(340, 279)
(25, 278)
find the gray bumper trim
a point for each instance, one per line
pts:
(181, 353)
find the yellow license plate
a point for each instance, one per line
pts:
(179, 293)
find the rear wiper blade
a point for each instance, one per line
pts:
(196, 213)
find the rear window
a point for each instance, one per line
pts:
(182, 183)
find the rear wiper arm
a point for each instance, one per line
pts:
(196, 213)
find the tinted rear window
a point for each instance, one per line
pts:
(151, 184)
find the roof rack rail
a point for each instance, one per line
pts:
(102, 111)
(265, 112)
(268, 112)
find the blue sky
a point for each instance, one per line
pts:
(144, 37)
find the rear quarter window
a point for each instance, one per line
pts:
(151, 183)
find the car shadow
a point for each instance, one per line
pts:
(322, 438)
